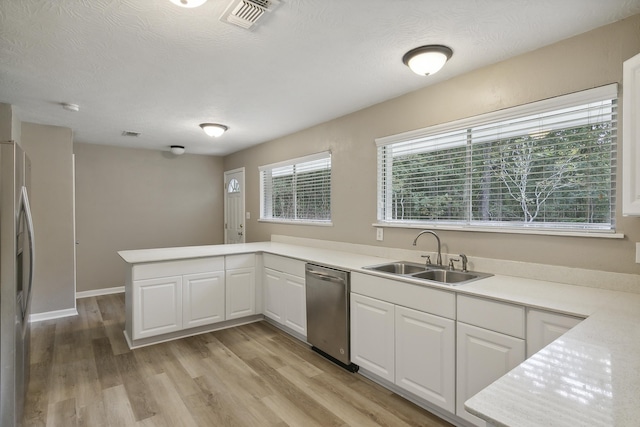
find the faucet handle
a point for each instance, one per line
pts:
(428, 259)
(451, 261)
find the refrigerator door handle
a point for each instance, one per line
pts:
(25, 209)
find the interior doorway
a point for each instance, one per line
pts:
(234, 215)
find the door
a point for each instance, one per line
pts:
(425, 356)
(294, 303)
(157, 306)
(234, 216)
(203, 299)
(544, 327)
(631, 137)
(373, 336)
(483, 356)
(327, 311)
(241, 292)
(272, 282)
(16, 279)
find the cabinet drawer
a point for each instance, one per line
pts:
(240, 261)
(286, 265)
(434, 301)
(493, 315)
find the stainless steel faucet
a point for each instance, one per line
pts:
(464, 262)
(439, 259)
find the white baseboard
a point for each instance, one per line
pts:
(48, 315)
(98, 292)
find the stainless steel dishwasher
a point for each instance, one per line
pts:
(328, 328)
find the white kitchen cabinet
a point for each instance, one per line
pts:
(490, 342)
(373, 335)
(483, 356)
(631, 137)
(203, 299)
(413, 349)
(240, 284)
(405, 334)
(294, 299)
(171, 296)
(425, 356)
(159, 306)
(544, 327)
(272, 283)
(285, 293)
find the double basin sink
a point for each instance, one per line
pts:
(431, 273)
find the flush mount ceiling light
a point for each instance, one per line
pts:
(214, 129)
(177, 149)
(188, 3)
(426, 60)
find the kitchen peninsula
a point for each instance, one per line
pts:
(588, 375)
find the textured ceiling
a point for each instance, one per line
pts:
(149, 66)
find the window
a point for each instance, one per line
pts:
(234, 186)
(297, 190)
(546, 165)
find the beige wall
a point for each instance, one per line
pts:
(134, 199)
(50, 151)
(588, 60)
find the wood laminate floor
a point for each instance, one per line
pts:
(83, 374)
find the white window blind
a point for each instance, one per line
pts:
(550, 164)
(297, 190)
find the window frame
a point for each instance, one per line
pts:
(265, 205)
(557, 103)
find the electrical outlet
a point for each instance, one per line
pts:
(380, 234)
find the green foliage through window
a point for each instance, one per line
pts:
(552, 169)
(299, 190)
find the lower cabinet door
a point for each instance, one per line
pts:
(544, 327)
(294, 303)
(203, 299)
(157, 306)
(240, 292)
(483, 356)
(373, 336)
(272, 288)
(425, 356)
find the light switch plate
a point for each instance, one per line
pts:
(380, 234)
(248, 215)
(637, 253)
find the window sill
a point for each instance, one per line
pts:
(505, 230)
(297, 222)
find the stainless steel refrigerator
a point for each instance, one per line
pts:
(16, 279)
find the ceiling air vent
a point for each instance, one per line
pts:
(130, 133)
(246, 13)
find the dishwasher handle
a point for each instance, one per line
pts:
(324, 276)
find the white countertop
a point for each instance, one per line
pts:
(588, 377)
(344, 260)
